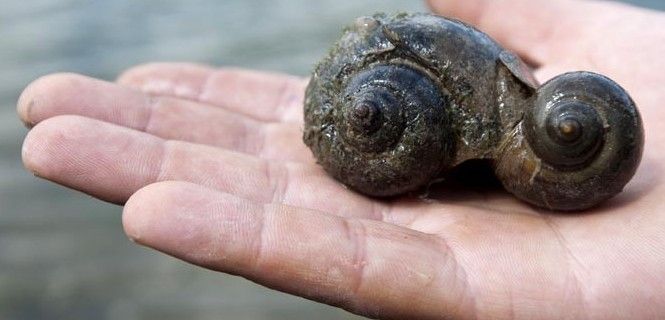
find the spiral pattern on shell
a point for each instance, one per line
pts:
(567, 131)
(587, 138)
(386, 122)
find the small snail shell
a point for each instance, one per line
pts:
(400, 100)
(584, 136)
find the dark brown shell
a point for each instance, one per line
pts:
(400, 100)
(577, 172)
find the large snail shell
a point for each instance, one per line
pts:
(583, 143)
(384, 132)
(399, 100)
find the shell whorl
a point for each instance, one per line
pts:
(387, 122)
(566, 132)
(584, 141)
(372, 115)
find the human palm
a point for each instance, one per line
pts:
(211, 168)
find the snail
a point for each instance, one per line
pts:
(401, 100)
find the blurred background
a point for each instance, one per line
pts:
(63, 255)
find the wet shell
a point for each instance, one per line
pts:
(400, 100)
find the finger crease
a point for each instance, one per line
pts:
(259, 252)
(571, 260)
(244, 138)
(356, 232)
(202, 95)
(278, 178)
(450, 265)
(256, 140)
(151, 103)
(283, 100)
(164, 158)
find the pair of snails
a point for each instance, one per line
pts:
(401, 100)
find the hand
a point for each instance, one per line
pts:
(211, 169)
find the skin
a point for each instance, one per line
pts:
(210, 167)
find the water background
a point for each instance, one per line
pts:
(63, 255)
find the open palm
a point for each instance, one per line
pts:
(211, 168)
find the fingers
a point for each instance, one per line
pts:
(68, 93)
(112, 162)
(539, 30)
(166, 117)
(368, 267)
(263, 96)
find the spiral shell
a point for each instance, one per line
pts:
(387, 121)
(586, 137)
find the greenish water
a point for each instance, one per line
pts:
(63, 255)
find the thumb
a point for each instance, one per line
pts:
(535, 29)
